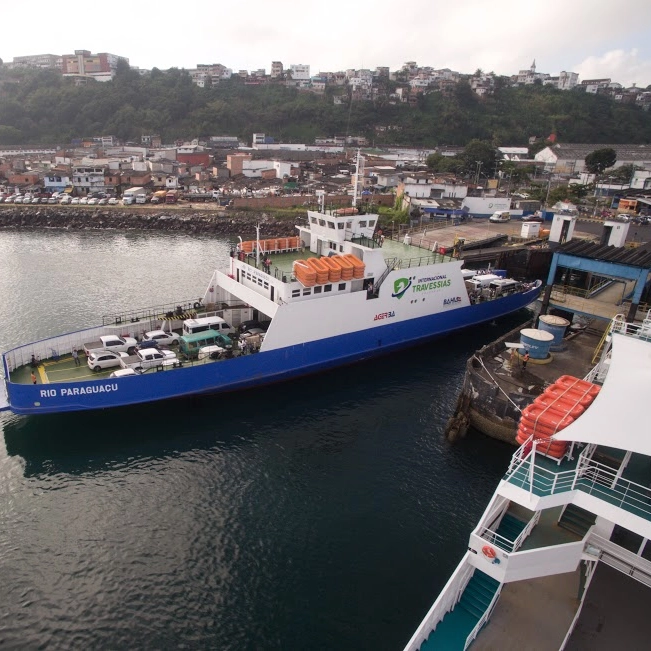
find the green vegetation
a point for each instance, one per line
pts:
(41, 107)
(600, 159)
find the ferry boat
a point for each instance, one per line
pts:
(561, 557)
(331, 295)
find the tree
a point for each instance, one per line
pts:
(624, 174)
(578, 191)
(479, 157)
(600, 160)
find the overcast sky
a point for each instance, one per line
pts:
(594, 38)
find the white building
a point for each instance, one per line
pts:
(300, 72)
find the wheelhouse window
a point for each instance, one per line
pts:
(327, 288)
(342, 286)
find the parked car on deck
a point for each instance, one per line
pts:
(74, 200)
(113, 201)
(161, 337)
(102, 359)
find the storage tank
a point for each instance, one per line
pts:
(556, 325)
(536, 342)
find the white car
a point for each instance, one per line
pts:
(124, 372)
(104, 359)
(83, 200)
(92, 202)
(65, 200)
(113, 201)
(74, 200)
(102, 202)
(161, 337)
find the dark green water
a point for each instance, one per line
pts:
(325, 513)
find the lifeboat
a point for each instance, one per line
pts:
(563, 403)
(304, 273)
(247, 247)
(334, 270)
(576, 396)
(571, 382)
(347, 269)
(358, 266)
(546, 417)
(321, 270)
(340, 212)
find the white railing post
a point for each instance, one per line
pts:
(532, 467)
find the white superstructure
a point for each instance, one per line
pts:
(552, 522)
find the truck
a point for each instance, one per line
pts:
(131, 194)
(142, 198)
(159, 196)
(202, 196)
(172, 196)
(146, 358)
(111, 342)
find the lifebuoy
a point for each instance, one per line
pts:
(488, 552)
(197, 305)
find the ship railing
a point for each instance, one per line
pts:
(525, 472)
(504, 543)
(637, 330)
(589, 476)
(607, 483)
(483, 619)
(446, 601)
(152, 312)
(618, 558)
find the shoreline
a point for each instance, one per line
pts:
(184, 220)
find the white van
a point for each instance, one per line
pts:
(193, 326)
(500, 216)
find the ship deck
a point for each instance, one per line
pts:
(394, 252)
(63, 369)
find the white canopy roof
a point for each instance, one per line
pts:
(618, 417)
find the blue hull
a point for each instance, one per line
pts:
(257, 369)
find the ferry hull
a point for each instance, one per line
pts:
(256, 369)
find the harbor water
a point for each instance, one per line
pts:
(325, 513)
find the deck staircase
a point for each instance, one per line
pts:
(576, 520)
(508, 531)
(452, 632)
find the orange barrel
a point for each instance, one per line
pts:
(547, 416)
(247, 247)
(575, 395)
(561, 403)
(334, 270)
(304, 273)
(358, 265)
(571, 382)
(322, 271)
(347, 269)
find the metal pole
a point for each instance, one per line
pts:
(531, 467)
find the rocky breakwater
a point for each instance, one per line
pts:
(170, 220)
